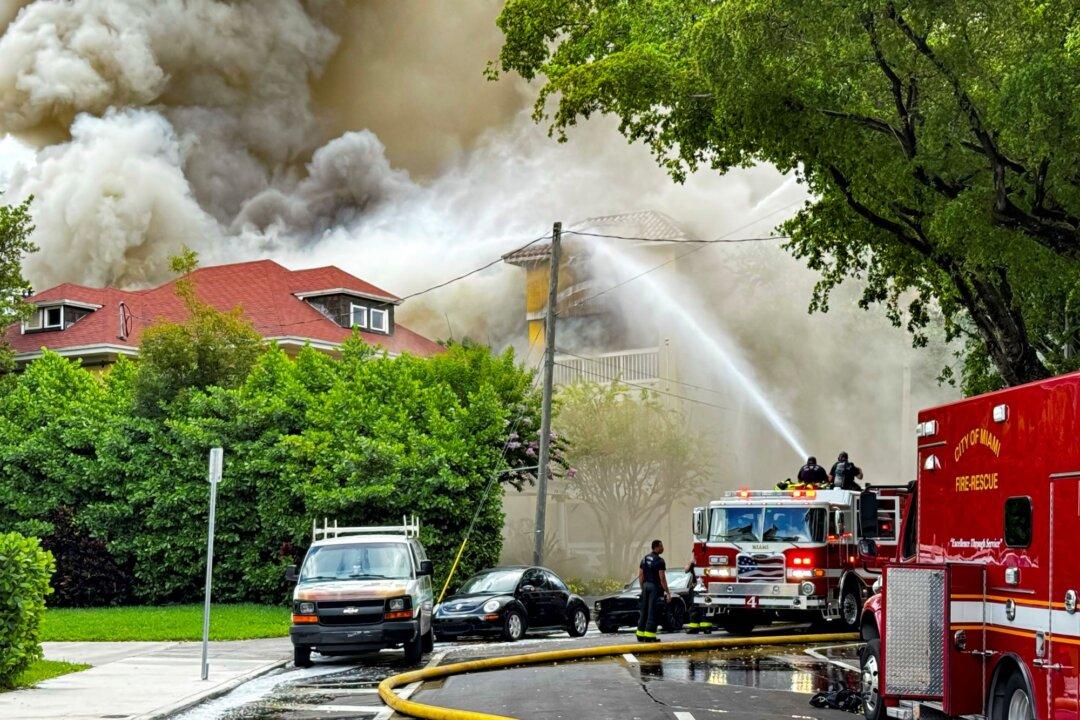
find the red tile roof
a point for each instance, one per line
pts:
(263, 289)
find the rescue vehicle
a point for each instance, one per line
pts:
(978, 615)
(791, 554)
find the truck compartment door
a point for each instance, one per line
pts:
(914, 642)
(965, 656)
(1062, 643)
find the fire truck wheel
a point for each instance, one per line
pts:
(1013, 700)
(850, 606)
(738, 624)
(302, 656)
(870, 687)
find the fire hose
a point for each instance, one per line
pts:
(433, 712)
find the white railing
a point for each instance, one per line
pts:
(636, 367)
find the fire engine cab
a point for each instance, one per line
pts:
(978, 615)
(792, 554)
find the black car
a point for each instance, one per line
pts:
(509, 601)
(621, 609)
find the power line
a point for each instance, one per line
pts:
(658, 377)
(642, 387)
(496, 261)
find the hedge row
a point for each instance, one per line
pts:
(25, 570)
(122, 498)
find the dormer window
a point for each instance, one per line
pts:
(53, 318)
(358, 315)
(380, 320)
(57, 315)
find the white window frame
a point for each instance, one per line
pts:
(352, 316)
(384, 314)
(45, 318)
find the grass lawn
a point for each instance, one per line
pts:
(170, 622)
(45, 669)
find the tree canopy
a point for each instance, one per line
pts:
(15, 228)
(940, 141)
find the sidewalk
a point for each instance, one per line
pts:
(140, 680)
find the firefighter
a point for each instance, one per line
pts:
(652, 574)
(698, 622)
(844, 472)
(813, 474)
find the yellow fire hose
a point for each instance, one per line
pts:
(432, 712)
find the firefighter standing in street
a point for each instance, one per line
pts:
(652, 574)
(697, 623)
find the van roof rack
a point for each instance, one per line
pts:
(409, 527)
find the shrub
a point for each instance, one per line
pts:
(86, 573)
(24, 583)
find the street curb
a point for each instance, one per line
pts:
(214, 692)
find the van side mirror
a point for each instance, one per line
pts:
(868, 514)
(291, 575)
(427, 568)
(867, 548)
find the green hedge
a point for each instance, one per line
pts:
(24, 583)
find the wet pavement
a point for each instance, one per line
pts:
(737, 684)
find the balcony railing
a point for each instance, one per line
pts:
(635, 367)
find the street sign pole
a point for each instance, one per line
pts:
(214, 477)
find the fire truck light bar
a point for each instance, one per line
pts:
(771, 493)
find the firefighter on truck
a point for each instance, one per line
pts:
(762, 555)
(977, 614)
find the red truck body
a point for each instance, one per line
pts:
(763, 554)
(978, 615)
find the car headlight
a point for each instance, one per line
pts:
(491, 606)
(306, 608)
(397, 604)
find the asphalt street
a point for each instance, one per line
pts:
(773, 682)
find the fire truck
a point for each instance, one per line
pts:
(978, 614)
(792, 554)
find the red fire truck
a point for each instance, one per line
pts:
(978, 615)
(792, 554)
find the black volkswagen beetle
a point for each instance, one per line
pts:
(509, 601)
(621, 609)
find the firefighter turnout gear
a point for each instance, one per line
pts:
(652, 594)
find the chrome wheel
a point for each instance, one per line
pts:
(581, 623)
(1020, 706)
(849, 608)
(870, 687)
(514, 628)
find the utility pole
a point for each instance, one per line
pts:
(545, 411)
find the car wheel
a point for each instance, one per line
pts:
(302, 656)
(675, 617)
(870, 680)
(579, 622)
(513, 626)
(606, 627)
(428, 641)
(1013, 700)
(414, 649)
(850, 606)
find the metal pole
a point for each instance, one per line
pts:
(549, 375)
(214, 476)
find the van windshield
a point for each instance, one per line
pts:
(767, 524)
(367, 561)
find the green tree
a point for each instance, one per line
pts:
(210, 348)
(15, 229)
(940, 141)
(632, 456)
